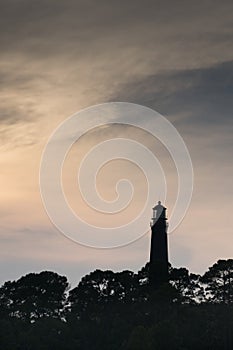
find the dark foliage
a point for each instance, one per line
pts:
(119, 311)
(34, 296)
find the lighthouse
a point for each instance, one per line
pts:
(158, 267)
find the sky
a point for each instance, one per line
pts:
(58, 57)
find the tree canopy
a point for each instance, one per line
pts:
(119, 311)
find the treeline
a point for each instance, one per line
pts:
(119, 311)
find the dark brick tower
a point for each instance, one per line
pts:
(158, 273)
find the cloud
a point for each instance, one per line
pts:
(86, 29)
(60, 56)
(203, 95)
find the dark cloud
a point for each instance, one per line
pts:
(11, 114)
(58, 56)
(202, 96)
(84, 26)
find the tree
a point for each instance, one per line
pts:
(138, 339)
(34, 296)
(120, 310)
(219, 290)
(187, 284)
(92, 291)
(99, 289)
(218, 280)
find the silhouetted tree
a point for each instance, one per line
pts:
(138, 339)
(100, 289)
(119, 311)
(187, 284)
(34, 296)
(219, 280)
(219, 290)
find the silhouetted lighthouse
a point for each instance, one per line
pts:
(159, 250)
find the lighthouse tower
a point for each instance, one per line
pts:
(158, 273)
